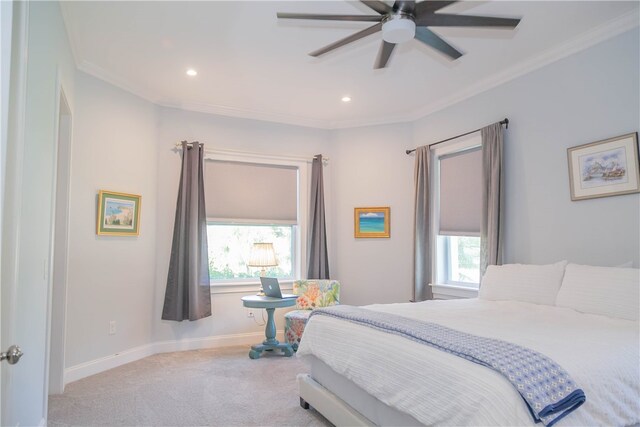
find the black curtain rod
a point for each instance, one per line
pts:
(502, 122)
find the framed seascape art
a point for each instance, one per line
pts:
(372, 222)
(604, 168)
(118, 214)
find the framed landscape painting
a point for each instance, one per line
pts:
(604, 168)
(118, 214)
(372, 222)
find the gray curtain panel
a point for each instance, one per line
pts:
(422, 257)
(491, 227)
(188, 295)
(318, 262)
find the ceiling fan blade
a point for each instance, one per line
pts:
(406, 6)
(384, 54)
(425, 7)
(353, 37)
(369, 18)
(448, 20)
(433, 40)
(377, 5)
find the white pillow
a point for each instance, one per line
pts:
(537, 284)
(609, 291)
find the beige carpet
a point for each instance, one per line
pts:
(220, 387)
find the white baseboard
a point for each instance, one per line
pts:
(209, 342)
(102, 364)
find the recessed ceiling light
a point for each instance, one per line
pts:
(191, 72)
(346, 99)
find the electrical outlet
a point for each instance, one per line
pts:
(112, 327)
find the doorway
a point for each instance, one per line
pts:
(57, 336)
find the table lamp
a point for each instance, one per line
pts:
(262, 255)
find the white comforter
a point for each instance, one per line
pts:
(600, 353)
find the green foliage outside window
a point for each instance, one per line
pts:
(230, 248)
(467, 264)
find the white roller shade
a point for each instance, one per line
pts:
(248, 191)
(461, 193)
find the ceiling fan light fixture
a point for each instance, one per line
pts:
(398, 29)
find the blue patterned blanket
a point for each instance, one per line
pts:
(547, 389)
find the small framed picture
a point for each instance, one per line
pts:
(118, 214)
(604, 168)
(372, 222)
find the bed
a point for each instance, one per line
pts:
(583, 318)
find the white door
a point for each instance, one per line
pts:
(13, 18)
(5, 60)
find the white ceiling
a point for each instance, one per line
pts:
(252, 65)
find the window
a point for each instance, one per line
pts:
(457, 212)
(251, 199)
(460, 260)
(230, 246)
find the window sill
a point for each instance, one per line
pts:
(244, 287)
(453, 292)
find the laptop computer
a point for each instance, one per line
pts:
(271, 288)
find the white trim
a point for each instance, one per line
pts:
(12, 202)
(236, 221)
(266, 116)
(220, 341)
(71, 35)
(113, 79)
(254, 157)
(102, 364)
(303, 166)
(583, 41)
(452, 292)
(59, 312)
(244, 287)
(457, 145)
(579, 43)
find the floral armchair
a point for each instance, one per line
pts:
(312, 294)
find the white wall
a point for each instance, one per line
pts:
(110, 278)
(229, 320)
(370, 168)
(586, 97)
(30, 193)
(123, 143)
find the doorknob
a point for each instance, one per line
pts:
(12, 355)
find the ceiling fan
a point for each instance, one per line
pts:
(404, 21)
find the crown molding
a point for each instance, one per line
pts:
(115, 80)
(71, 34)
(242, 113)
(583, 41)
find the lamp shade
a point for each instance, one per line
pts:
(262, 255)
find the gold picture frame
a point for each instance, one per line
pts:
(118, 214)
(372, 222)
(610, 167)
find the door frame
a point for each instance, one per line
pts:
(57, 284)
(6, 25)
(12, 202)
